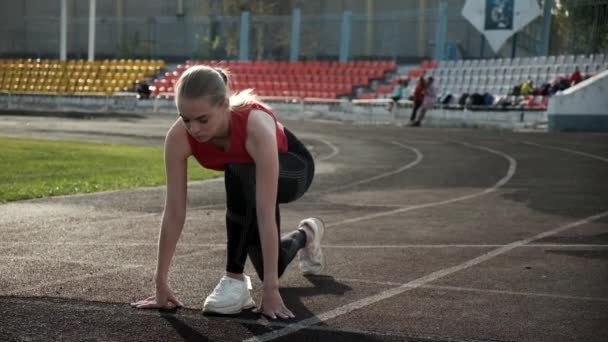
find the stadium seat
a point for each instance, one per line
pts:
(498, 76)
(315, 79)
(74, 76)
(599, 58)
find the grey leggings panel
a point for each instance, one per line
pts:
(296, 172)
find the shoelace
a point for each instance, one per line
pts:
(220, 288)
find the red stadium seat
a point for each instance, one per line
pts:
(299, 79)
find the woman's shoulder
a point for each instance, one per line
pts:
(245, 109)
(261, 107)
(177, 139)
(177, 129)
(245, 112)
(259, 117)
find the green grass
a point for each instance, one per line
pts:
(40, 168)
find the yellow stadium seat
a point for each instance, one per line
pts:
(55, 76)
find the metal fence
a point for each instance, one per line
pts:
(270, 37)
(464, 41)
(403, 35)
(406, 36)
(580, 28)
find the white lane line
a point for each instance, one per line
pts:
(83, 223)
(352, 204)
(25, 290)
(345, 309)
(105, 244)
(186, 313)
(538, 245)
(65, 261)
(563, 149)
(496, 186)
(421, 281)
(74, 174)
(470, 289)
(419, 157)
(105, 220)
(400, 334)
(426, 279)
(328, 246)
(334, 149)
(110, 192)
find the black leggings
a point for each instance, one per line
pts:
(296, 172)
(417, 105)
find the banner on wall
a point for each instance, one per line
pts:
(498, 20)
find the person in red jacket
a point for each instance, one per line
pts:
(576, 77)
(418, 98)
(264, 164)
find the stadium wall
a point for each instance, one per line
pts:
(346, 111)
(381, 29)
(583, 107)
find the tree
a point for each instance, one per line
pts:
(579, 26)
(267, 40)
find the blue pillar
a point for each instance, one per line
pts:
(546, 39)
(347, 19)
(514, 46)
(441, 30)
(295, 35)
(244, 38)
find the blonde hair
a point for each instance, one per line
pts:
(205, 81)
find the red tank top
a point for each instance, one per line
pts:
(419, 93)
(212, 157)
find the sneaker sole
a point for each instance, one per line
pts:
(229, 310)
(317, 269)
(314, 270)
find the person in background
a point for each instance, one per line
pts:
(143, 90)
(418, 98)
(527, 88)
(576, 77)
(397, 93)
(430, 97)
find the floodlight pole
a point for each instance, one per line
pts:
(92, 5)
(63, 31)
(295, 35)
(441, 30)
(244, 37)
(347, 18)
(548, 5)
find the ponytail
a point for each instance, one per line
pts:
(204, 81)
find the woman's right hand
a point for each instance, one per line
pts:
(164, 299)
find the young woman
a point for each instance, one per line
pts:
(264, 164)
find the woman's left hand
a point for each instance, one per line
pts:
(272, 305)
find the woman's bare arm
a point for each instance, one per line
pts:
(177, 151)
(262, 146)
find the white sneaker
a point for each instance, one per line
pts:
(311, 256)
(229, 297)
